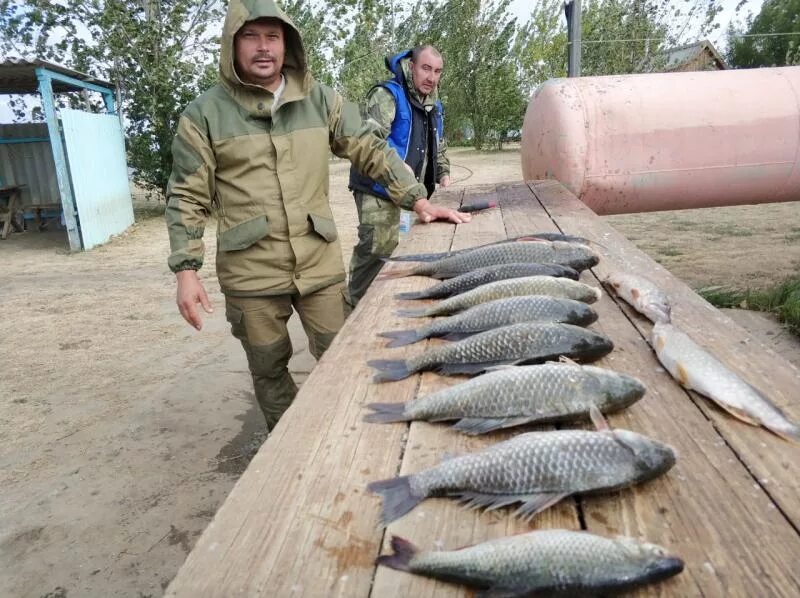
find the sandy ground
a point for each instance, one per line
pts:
(123, 430)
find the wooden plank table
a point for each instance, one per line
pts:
(11, 196)
(300, 523)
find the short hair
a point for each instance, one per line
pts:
(415, 53)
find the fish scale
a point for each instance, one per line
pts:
(562, 288)
(517, 343)
(514, 340)
(537, 469)
(526, 390)
(470, 280)
(574, 255)
(543, 562)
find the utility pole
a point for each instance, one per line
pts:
(572, 9)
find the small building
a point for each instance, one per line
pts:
(697, 56)
(73, 163)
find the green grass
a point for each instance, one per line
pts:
(670, 251)
(782, 300)
(730, 230)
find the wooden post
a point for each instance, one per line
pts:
(60, 160)
(573, 12)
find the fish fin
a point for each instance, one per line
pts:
(456, 336)
(411, 295)
(490, 502)
(448, 369)
(532, 239)
(412, 313)
(739, 414)
(475, 425)
(682, 375)
(443, 274)
(536, 503)
(400, 338)
(398, 499)
(565, 359)
(600, 422)
(389, 369)
(386, 413)
(502, 366)
(418, 257)
(400, 559)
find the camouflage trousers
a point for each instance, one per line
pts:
(378, 235)
(260, 325)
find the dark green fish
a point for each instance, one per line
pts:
(429, 257)
(481, 276)
(514, 344)
(497, 313)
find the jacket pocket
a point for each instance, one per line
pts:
(244, 235)
(324, 227)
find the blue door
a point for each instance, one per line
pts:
(99, 174)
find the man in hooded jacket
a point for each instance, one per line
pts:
(408, 114)
(254, 149)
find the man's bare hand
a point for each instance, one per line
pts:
(427, 212)
(445, 182)
(190, 293)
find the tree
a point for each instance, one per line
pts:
(763, 47)
(160, 53)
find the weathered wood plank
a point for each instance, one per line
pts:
(709, 508)
(443, 523)
(299, 521)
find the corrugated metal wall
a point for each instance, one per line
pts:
(29, 164)
(99, 173)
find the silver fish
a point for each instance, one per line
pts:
(429, 257)
(642, 294)
(514, 344)
(696, 369)
(513, 287)
(542, 563)
(470, 280)
(513, 396)
(537, 469)
(574, 255)
(493, 314)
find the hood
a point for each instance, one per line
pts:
(239, 12)
(401, 72)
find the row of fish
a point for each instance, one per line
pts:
(511, 303)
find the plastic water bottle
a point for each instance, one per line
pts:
(405, 221)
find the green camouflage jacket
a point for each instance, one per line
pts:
(265, 171)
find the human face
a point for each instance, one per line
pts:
(259, 50)
(426, 72)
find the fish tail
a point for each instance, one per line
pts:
(413, 313)
(412, 295)
(386, 413)
(389, 369)
(401, 337)
(398, 499)
(400, 559)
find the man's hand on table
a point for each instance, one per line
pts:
(427, 212)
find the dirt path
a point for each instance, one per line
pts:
(123, 430)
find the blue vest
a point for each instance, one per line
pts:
(402, 132)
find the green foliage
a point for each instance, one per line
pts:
(782, 300)
(763, 48)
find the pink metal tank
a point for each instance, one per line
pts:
(640, 143)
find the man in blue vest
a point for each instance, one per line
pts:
(408, 114)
